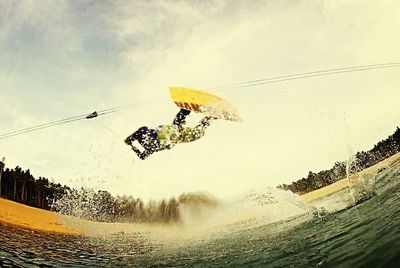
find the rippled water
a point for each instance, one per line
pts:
(364, 235)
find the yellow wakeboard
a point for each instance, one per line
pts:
(201, 101)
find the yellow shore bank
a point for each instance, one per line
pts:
(13, 213)
(33, 218)
(42, 220)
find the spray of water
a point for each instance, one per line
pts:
(192, 215)
(361, 184)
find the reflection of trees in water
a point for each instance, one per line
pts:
(340, 170)
(102, 206)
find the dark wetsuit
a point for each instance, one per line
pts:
(166, 136)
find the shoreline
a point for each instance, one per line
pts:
(16, 214)
(350, 181)
(13, 213)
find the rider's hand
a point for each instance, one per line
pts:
(128, 141)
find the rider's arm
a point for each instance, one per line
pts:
(129, 140)
(142, 155)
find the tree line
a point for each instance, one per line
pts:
(20, 186)
(341, 170)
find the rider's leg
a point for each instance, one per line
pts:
(192, 134)
(205, 122)
(179, 119)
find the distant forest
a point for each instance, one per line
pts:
(19, 185)
(341, 170)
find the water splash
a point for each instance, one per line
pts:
(193, 215)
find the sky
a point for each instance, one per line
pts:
(64, 58)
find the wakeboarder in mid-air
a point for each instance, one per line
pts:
(167, 136)
(188, 100)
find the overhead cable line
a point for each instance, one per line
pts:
(250, 83)
(277, 79)
(77, 118)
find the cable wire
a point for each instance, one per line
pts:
(306, 75)
(250, 83)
